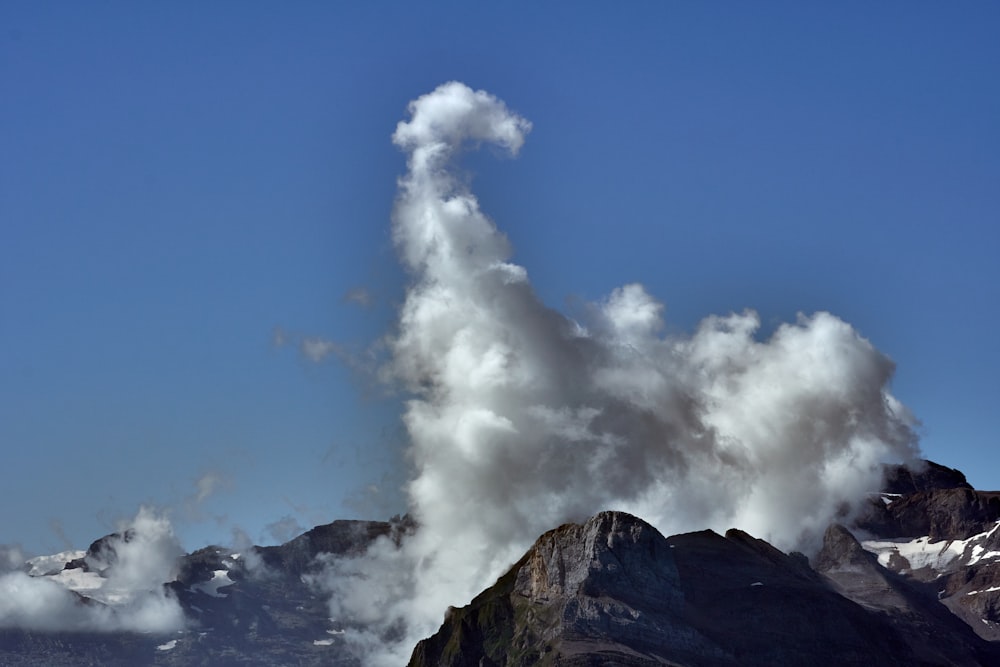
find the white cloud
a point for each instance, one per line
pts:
(521, 419)
(130, 597)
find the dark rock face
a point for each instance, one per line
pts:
(614, 592)
(926, 476)
(767, 608)
(602, 593)
(934, 501)
(941, 514)
(942, 537)
(922, 589)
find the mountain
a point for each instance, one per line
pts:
(249, 608)
(921, 587)
(942, 537)
(914, 581)
(613, 591)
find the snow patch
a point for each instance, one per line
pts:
(938, 556)
(918, 553)
(78, 580)
(43, 565)
(985, 590)
(220, 579)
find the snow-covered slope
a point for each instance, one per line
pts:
(935, 558)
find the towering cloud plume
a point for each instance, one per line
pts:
(522, 419)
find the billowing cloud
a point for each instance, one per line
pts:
(123, 587)
(521, 419)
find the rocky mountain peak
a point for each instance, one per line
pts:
(611, 552)
(940, 506)
(841, 550)
(922, 476)
(614, 591)
(101, 554)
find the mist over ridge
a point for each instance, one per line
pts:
(133, 563)
(521, 419)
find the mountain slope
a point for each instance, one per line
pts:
(915, 581)
(613, 591)
(250, 608)
(942, 536)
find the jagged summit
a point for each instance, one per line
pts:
(613, 591)
(605, 587)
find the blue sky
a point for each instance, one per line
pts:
(183, 187)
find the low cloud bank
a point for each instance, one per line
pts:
(124, 586)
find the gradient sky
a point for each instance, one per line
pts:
(194, 223)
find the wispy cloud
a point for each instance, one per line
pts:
(359, 296)
(318, 349)
(278, 337)
(284, 529)
(315, 349)
(206, 485)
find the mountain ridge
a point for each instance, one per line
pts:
(611, 591)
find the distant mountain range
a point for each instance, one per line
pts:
(914, 581)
